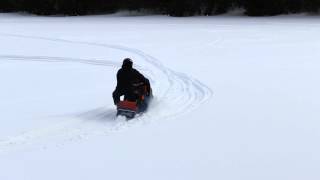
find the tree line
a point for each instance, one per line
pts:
(168, 7)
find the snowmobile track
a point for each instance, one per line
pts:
(192, 93)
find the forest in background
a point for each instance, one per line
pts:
(167, 7)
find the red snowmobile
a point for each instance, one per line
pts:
(131, 107)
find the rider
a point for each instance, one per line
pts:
(127, 78)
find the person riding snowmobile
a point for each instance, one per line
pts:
(129, 83)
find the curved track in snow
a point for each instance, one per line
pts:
(175, 94)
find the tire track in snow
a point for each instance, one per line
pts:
(175, 94)
(59, 59)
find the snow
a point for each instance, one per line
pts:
(235, 97)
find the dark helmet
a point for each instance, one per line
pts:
(127, 63)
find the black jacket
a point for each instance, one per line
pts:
(126, 77)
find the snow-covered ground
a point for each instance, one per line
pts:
(235, 98)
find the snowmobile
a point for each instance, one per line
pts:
(129, 108)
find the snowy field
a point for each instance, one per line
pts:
(235, 98)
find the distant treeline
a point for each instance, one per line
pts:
(168, 7)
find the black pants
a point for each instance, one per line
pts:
(129, 94)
